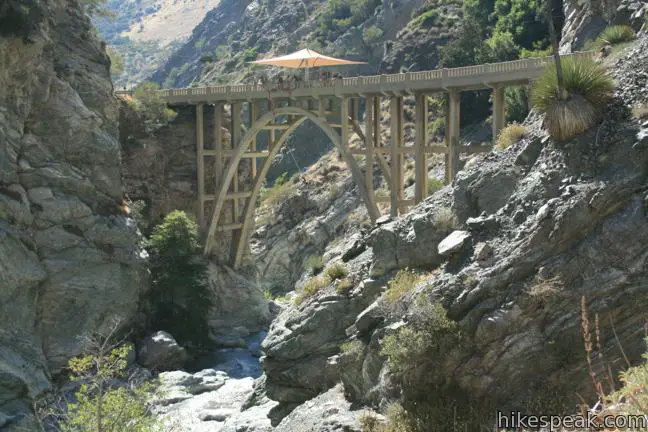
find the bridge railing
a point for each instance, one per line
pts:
(375, 81)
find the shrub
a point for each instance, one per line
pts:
(151, 107)
(179, 296)
(279, 191)
(434, 185)
(404, 282)
(372, 35)
(415, 353)
(509, 135)
(97, 405)
(588, 87)
(250, 54)
(314, 264)
(312, 287)
(371, 423)
(444, 219)
(517, 103)
(614, 35)
(337, 271)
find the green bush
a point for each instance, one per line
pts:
(98, 405)
(614, 35)
(314, 264)
(415, 353)
(434, 185)
(372, 35)
(179, 296)
(404, 282)
(517, 103)
(278, 192)
(151, 107)
(588, 86)
(250, 54)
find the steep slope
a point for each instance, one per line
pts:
(145, 32)
(69, 261)
(546, 224)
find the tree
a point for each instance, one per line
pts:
(99, 406)
(179, 295)
(116, 62)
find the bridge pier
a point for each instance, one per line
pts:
(420, 160)
(396, 107)
(452, 135)
(200, 164)
(499, 109)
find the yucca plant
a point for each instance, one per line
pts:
(614, 35)
(587, 86)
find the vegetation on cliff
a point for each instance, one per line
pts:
(179, 296)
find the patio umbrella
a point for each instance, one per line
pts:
(305, 59)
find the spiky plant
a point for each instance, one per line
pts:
(614, 35)
(588, 87)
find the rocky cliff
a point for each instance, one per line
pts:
(69, 261)
(536, 229)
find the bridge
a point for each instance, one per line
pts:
(337, 107)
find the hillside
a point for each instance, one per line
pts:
(146, 32)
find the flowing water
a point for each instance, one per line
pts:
(212, 396)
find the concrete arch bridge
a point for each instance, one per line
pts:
(336, 107)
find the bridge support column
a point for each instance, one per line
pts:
(236, 138)
(453, 129)
(218, 142)
(421, 125)
(499, 108)
(396, 107)
(200, 164)
(370, 118)
(344, 124)
(254, 115)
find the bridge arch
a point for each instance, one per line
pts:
(244, 144)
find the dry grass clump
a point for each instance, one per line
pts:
(404, 282)
(588, 88)
(344, 286)
(632, 397)
(614, 35)
(445, 220)
(336, 271)
(312, 287)
(509, 135)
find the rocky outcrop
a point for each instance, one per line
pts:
(584, 20)
(545, 225)
(161, 351)
(69, 262)
(328, 412)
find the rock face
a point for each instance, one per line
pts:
(584, 20)
(69, 260)
(561, 224)
(328, 412)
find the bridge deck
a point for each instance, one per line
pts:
(463, 78)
